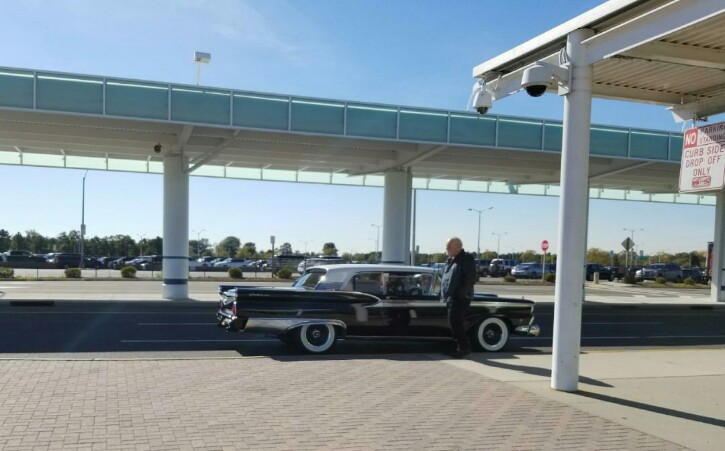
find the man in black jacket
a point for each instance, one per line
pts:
(459, 277)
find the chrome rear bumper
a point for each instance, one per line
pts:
(530, 330)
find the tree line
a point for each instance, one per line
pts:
(125, 245)
(231, 246)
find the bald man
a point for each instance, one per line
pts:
(459, 277)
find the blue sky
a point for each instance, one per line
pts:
(407, 52)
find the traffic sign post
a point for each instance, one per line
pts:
(702, 167)
(544, 247)
(627, 244)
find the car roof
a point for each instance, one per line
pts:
(372, 267)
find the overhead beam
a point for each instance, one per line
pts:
(641, 95)
(699, 109)
(198, 162)
(689, 55)
(183, 137)
(556, 37)
(402, 163)
(618, 170)
(650, 26)
(79, 134)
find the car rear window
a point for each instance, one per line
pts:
(310, 279)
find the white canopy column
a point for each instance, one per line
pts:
(573, 219)
(717, 284)
(397, 209)
(176, 228)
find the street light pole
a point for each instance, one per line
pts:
(198, 238)
(498, 245)
(83, 219)
(480, 212)
(377, 241)
(305, 241)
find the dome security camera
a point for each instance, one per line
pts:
(482, 98)
(157, 148)
(541, 76)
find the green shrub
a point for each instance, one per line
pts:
(284, 273)
(7, 273)
(509, 278)
(661, 280)
(630, 279)
(235, 273)
(73, 273)
(128, 272)
(689, 281)
(550, 277)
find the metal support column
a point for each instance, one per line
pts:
(176, 228)
(572, 218)
(397, 206)
(717, 284)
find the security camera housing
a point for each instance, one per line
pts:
(482, 100)
(157, 148)
(541, 76)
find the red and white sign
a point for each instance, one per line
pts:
(544, 245)
(703, 159)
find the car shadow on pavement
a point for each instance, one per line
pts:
(651, 408)
(493, 361)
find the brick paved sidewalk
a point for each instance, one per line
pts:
(405, 402)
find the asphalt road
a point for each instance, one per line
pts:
(207, 291)
(102, 326)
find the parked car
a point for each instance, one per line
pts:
(40, 258)
(196, 264)
(312, 262)
(138, 262)
(530, 270)
(65, 260)
(105, 262)
(205, 262)
(604, 272)
(120, 262)
(696, 274)
(151, 263)
(500, 267)
(482, 267)
(670, 271)
(329, 302)
(91, 263)
(17, 256)
(231, 263)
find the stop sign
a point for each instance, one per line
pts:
(544, 245)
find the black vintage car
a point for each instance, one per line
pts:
(346, 301)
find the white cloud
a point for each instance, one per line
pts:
(240, 22)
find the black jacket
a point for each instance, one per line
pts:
(459, 277)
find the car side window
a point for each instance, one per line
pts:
(368, 282)
(408, 284)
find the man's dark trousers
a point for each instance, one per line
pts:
(457, 312)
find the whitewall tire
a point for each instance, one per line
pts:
(316, 338)
(492, 334)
